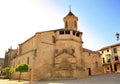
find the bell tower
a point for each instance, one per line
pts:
(70, 21)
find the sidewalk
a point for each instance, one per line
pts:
(7, 81)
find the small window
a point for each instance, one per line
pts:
(107, 50)
(73, 32)
(102, 51)
(75, 24)
(116, 58)
(61, 32)
(114, 50)
(109, 60)
(77, 34)
(107, 68)
(103, 60)
(28, 60)
(66, 24)
(53, 39)
(67, 32)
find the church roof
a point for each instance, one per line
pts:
(110, 46)
(70, 14)
(61, 29)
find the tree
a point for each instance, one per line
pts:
(21, 68)
(12, 70)
(6, 71)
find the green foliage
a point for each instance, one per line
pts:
(22, 68)
(6, 70)
(12, 70)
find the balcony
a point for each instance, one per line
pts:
(116, 61)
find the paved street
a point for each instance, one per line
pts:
(112, 78)
(7, 81)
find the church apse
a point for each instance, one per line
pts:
(64, 64)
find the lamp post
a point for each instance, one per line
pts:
(117, 35)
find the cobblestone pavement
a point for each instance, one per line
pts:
(113, 78)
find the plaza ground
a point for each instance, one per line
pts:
(111, 78)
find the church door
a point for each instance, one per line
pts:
(89, 71)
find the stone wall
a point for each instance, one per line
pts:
(28, 45)
(93, 64)
(57, 58)
(45, 56)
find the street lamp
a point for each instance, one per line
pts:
(117, 35)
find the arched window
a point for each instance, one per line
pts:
(67, 32)
(53, 39)
(75, 24)
(66, 24)
(77, 34)
(28, 60)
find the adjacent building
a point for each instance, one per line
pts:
(111, 58)
(1, 64)
(11, 53)
(56, 54)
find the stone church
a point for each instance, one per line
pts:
(56, 54)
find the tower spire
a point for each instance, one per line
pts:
(69, 8)
(70, 20)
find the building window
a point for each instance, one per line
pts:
(77, 34)
(28, 60)
(53, 39)
(61, 32)
(67, 32)
(107, 50)
(115, 50)
(102, 51)
(108, 60)
(73, 32)
(75, 24)
(107, 68)
(66, 24)
(103, 60)
(116, 59)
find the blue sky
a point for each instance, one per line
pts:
(99, 20)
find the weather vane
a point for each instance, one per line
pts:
(70, 8)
